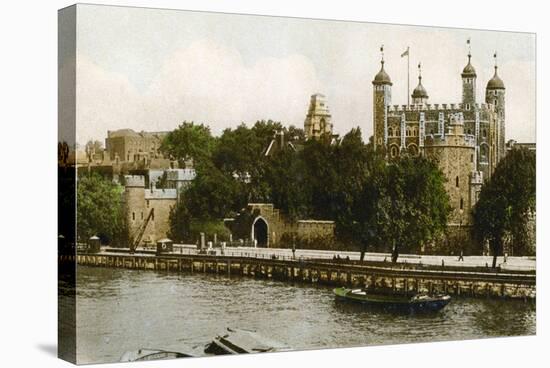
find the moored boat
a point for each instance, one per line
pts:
(239, 341)
(151, 354)
(418, 302)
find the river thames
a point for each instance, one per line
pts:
(120, 310)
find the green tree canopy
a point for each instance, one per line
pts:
(505, 203)
(100, 209)
(189, 140)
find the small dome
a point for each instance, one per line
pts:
(382, 77)
(469, 70)
(495, 82)
(420, 91)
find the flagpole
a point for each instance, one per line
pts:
(408, 78)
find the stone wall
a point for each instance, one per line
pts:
(282, 232)
(141, 202)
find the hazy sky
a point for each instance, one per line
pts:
(149, 69)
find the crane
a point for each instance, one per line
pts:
(140, 231)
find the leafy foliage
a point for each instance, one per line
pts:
(373, 204)
(505, 203)
(100, 209)
(189, 140)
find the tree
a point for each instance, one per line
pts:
(289, 191)
(402, 204)
(100, 209)
(180, 221)
(92, 147)
(213, 194)
(505, 203)
(188, 141)
(416, 204)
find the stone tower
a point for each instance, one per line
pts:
(469, 77)
(318, 117)
(454, 154)
(382, 99)
(494, 95)
(134, 199)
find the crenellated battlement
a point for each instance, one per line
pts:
(134, 181)
(438, 107)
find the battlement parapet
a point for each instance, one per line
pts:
(161, 194)
(134, 181)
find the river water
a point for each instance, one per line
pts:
(120, 310)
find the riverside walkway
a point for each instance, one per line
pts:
(510, 264)
(469, 278)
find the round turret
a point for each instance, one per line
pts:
(495, 82)
(419, 94)
(382, 77)
(469, 70)
(420, 91)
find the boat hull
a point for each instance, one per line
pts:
(397, 302)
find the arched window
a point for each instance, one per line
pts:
(322, 124)
(484, 133)
(390, 132)
(484, 153)
(408, 132)
(394, 151)
(461, 203)
(456, 180)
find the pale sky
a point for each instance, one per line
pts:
(149, 69)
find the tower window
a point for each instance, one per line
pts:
(393, 151)
(133, 216)
(467, 106)
(456, 181)
(390, 132)
(461, 203)
(484, 133)
(471, 158)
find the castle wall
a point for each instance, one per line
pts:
(139, 202)
(456, 161)
(281, 230)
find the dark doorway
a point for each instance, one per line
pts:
(260, 232)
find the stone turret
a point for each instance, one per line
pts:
(419, 95)
(382, 99)
(318, 119)
(469, 77)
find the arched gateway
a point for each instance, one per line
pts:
(260, 232)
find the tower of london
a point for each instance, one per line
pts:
(466, 138)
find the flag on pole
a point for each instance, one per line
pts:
(405, 53)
